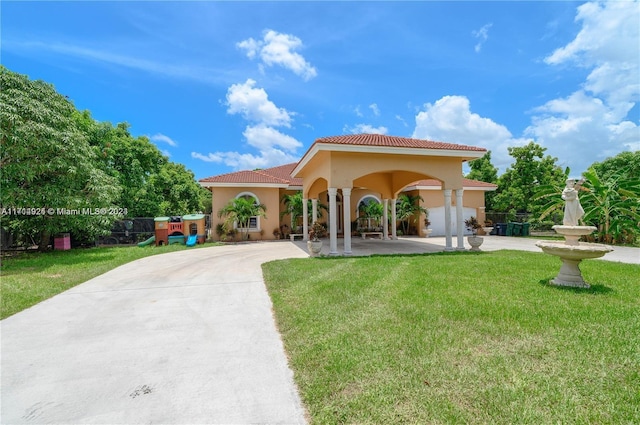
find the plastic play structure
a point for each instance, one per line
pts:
(188, 229)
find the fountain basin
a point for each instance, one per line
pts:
(573, 233)
(571, 255)
(574, 252)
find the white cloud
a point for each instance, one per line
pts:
(210, 157)
(159, 137)
(450, 120)
(399, 118)
(591, 123)
(264, 138)
(581, 129)
(279, 49)
(608, 43)
(365, 128)
(274, 148)
(357, 111)
(181, 70)
(251, 46)
(375, 109)
(254, 105)
(246, 161)
(483, 35)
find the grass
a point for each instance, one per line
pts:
(460, 338)
(30, 278)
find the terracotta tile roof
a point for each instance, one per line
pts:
(275, 175)
(465, 183)
(282, 175)
(283, 172)
(393, 141)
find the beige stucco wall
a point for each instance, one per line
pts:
(269, 196)
(272, 198)
(388, 173)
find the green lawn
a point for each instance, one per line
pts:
(460, 338)
(29, 278)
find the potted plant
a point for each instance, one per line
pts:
(427, 231)
(488, 227)
(474, 240)
(314, 244)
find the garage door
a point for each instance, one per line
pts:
(436, 217)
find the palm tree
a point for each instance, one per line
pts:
(371, 209)
(408, 209)
(240, 211)
(612, 205)
(293, 206)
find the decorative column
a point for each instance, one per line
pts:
(314, 210)
(482, 218)
(459, 219)
(346, 207)
(333, 222)
(447, 220)
(385, 219)
(305, 219)
(394, 219)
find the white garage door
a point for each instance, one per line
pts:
(436, 217)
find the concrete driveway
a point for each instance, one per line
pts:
(181, 338)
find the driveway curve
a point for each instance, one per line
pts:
(180, 338)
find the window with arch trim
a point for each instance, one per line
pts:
(254, 222)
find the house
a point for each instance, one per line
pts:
(342, 172)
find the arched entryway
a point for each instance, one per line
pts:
(384, 165)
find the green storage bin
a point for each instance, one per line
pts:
(526, 229)
(509, 229)
(517, 229)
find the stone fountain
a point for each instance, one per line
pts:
(572, 251)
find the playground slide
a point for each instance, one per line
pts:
(149, 241)
(192, 240)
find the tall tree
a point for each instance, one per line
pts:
(612, 205)
(151, 184)
(483, 170)
(47, 164)
(178, 190)
(518, 185)
(625, 165)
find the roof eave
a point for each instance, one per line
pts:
(245, 184)
(465, 155)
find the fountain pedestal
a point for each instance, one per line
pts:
(572, 252)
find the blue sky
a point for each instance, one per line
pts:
(222, 86)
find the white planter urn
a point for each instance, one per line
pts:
(475, 242)
(427, 232)
(314, 248)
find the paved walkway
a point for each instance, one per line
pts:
(181, 338)
(413, 245)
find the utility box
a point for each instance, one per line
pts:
(62, 242)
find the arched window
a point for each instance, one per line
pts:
(370, 211)
(254, 222)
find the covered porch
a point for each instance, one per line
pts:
(344, 166)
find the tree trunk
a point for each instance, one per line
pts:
(45, 237)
